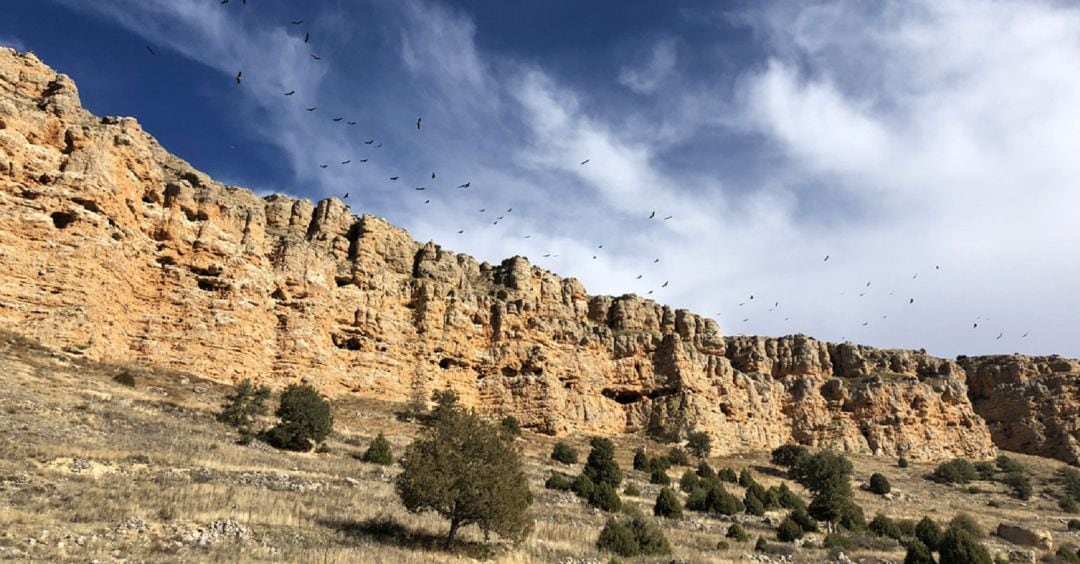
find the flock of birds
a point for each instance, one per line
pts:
(467, 184)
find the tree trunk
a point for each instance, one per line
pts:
(454, 526)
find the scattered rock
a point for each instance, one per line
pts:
(1026, 537)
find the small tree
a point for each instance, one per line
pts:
(955, 471)
(746, 478)
(304, 415)
(605, 498)
(960, 547)
(638, 537)
(678, 457)
(789, 530)
(879, 484)
(379, 451)
(882, 526)
(918, 553)
(689, 481)
(601, 466)
(641, 460)
(243, 405)
(737, 532)
(804, 520)
(468, 471)
(705, 471)
(788, 456)
(699, 444)
(564, 453)
(929, 533)
(902, 462)
(659, 476)
(668, 504)
(1020, 484)
(511, 426)
(754, 505)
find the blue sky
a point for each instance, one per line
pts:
(926, 147)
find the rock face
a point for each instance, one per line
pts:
(1032, 404)
(1026, 537)
(114, 247)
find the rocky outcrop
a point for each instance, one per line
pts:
(1031, 403)
(1022, 536)
(114, 247)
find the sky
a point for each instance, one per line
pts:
(927, 148)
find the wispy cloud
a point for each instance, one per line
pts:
(13, 42)
(894, 138)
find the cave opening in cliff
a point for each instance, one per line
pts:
(62, 219)
(623, 397)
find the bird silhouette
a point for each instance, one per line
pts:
(421, 188)
(508, 210)
(664, 285)
(911, 300)
(312, 108)
(915, 276)
(418, 123)
(363, 160)
(652, 215)
(151, 49)
(337, 119)
(290, 93)
(316, 57)
(466, 185)
(369, 141)
(346, 196)
(346, 162)
(1024, 336)
(297, 22)
(460, 232)
(351, 122)
(586, 161)
(526, 236)
(975, 325)
(482, 210)
(668, 217)
(999, 336)
(323, 166)
(638, 277)
(307, 37)
(868, 284)
(239, 76)
(865, 323)
(656, 261)
(427, 201)
(394, 177)
(433, 176)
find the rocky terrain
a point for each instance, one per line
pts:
(115, 250)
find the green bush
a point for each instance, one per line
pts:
(600, 467)
(746, 478)
(564, 453)
(761, 545)
(736, 531)
(658, 476)
(1007, 465)
(804, 520)
(879, 484)
(884, 527)
(985, 470)
(789, 499)
(918, 553)
(1068, 505)
(678, 457)
(705, 471)
(1019, 484)
(559, 481)
(583, 486)
(955, 471)
(511, 426)
(668, 504)
(754, 505)
(304, 415)
(125, 378)
(960, 547)
(641, 460)
(1068, 553)
(789, 530)
(727, 475)
(699, 444)
(723, 545)
(638, 537)
(788, 456)
(631, 490)
(966, 524)
(929, 533)
(837, 540)
(660, 463)
(711, 497)
(1074, 524)
(379, 451)
(689, 481)
(902, 462)
(243, 405)
(605, 498)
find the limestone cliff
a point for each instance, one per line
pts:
(113, 247)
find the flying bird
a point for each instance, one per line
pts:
(664, 285)
(307, 37)
(433, 176)
(369, 141)
(826, 258)
(652, 215)
(975, 325)
(427, 201)
(999, 336)
(346, 162)
(526, 236)
(346, 196)
(915, 276)
(323, 166)
(460, 232)
(239, 75)
(668, 217)
(394, 177)
(638, 277)
(656, 261)
(312, 108)
(151, 49)
(351, 122)
(297, 22)
(418, 123)
(290, 93)
(466, 185)
(586, 161)
(421, 188)
(911, 300)
(482, 210)
(337, 119)
(865, 323)
(363, 160)
(868, 284)
(508, 210)
(1024, 336)
(316, 57)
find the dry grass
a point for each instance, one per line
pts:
(81, 454)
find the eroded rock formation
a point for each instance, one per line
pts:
(116, 248)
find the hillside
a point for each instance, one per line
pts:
(118, 251)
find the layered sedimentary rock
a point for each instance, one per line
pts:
(113, 247)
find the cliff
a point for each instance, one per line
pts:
(115, 248)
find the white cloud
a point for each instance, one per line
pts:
(13, 42)
(646, 78)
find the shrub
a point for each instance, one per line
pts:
(746, 478)
(583, 486)
(304, 417)
(1068, 553)
(985, 470)
(727, 475)
(966, 524)
(641, 460)
(804, 520)
(468, 471)
(723, 545)
(1070, 481)
(960, 547)
(678, 457)
(699, 444)
(631, 490)
(955, 471)
(605, 498)
(929, 533)
(559, 481)
(754, 505)
(789, 499)
(836, 540)
(828, 476)
(761, 545)
(884, 527)
(918, 553)
(600, 466)
(511, 426)
(1069, 505)
(379, 452)
(638, 537)
(660, 463)
(789, 456)
(125, 378)
(564, 453)
(902, 462)
(736, 531)
(879, 484)
(243, 405)
(789, 530)
(710, 496)
(1007, 465)
(1074, 524)
(658, 476)
(1020, 485)
(689, 481)
(668, 504)
(705, 471)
